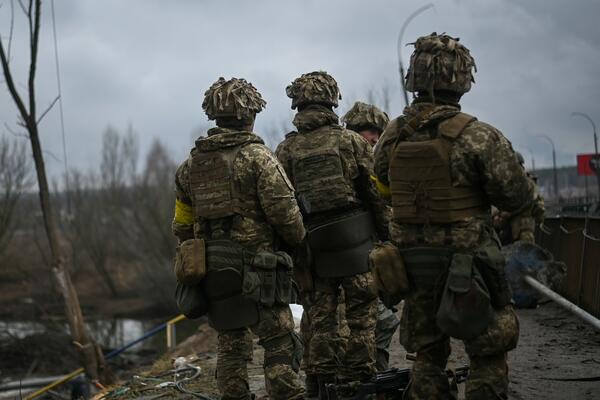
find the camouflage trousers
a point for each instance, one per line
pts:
(282, 351)
(386, 326)
(328, 353)
(488, 376)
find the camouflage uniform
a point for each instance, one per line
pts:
(360, 118)
(481, 160)
(315, 94)
(261, 181)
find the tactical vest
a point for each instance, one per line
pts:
(214, 191)
(421, 181)
(215, 196)
(318, 173)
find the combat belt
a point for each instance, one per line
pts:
(230, 283)
(468, 285)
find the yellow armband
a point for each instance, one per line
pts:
(382, 189)
(183, 213)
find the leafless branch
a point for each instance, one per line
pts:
(51, 154)
(47, 110)
(23, 7)
(12, 26)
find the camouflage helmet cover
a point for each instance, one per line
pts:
(315, 87)
(365, 116)
(232, 98)
(440, 62)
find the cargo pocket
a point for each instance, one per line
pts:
(465, 311)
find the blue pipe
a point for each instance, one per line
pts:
(145, 336)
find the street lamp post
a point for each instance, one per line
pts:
(554, 171)
(400, 35)
(583, 115)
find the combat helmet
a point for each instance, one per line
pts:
(365, 116)
(440, 62)
(235, 98)
(316, 87)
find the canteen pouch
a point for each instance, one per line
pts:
(389, 271)
(191, 301)
(190, 262)
(492, 265)
(465, 310)
(341, 248)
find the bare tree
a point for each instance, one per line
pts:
(14, 179)
(29, 119)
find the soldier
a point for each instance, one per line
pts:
(233, 193)
(443, 169)
(370, 122)
(367, 120)
(330, 168)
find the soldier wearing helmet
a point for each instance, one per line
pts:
(330, 168)
(234, 206)
(367, 120)
(443, 169)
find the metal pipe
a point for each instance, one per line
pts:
(399, 46)
(566, 304)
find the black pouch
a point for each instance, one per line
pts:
(191, 301)
(491, 264)
(265, 264)
(284, 293)
(465, 311)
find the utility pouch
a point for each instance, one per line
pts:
(284, 293)
(341, 248)
(265, 264)
(251, 283)
(190, 300)
(465, 311)
(492, 265)
(389, 271)
(190, 262)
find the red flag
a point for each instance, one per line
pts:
(587, 164)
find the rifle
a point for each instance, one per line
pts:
(389, 384)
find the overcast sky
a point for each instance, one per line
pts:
(148, 63)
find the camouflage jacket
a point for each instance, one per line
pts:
(257, 175)
(481, 156)
(356, 157)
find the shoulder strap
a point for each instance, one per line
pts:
(410, 126)
(452, 127)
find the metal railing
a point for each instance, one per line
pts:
(169, 326)
(576, 242)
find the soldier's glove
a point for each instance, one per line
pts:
(523, 227)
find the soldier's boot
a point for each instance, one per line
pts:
(324, 380)
(312, 386)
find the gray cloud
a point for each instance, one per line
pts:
(147, 63)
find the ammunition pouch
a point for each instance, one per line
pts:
(389, 272)
(464, 311)
(491, 264)
(341, 248)
(190, 262)
(268, 279)
(191, 300)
